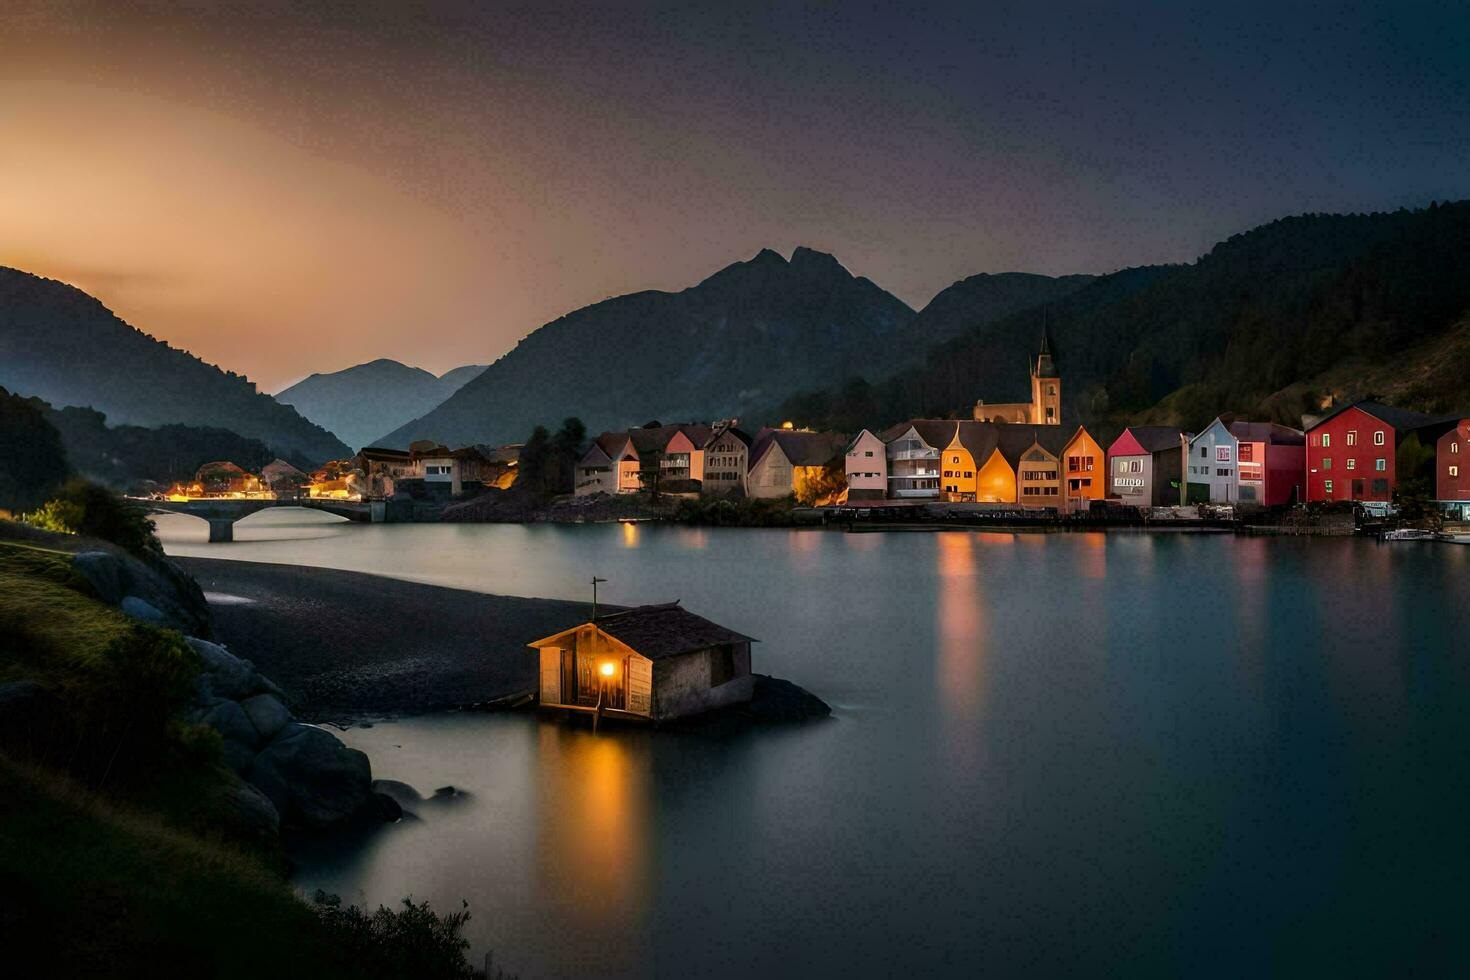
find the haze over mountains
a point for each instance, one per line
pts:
(63, 346)
(734, 344)
(360, 403)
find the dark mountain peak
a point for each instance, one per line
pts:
(766, 256)
(810, 262)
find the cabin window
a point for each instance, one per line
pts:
(1380, 464)
(1352, 437)
(1378, 438)
(721, 665)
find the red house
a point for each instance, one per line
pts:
(1350, 451)
(1452, 471)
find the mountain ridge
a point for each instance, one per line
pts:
(361, 402)
(64, 346)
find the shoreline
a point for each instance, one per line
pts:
(349, 646)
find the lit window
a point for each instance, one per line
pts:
(1380, 464)
(1327, 462)
(1454, 447)
(1327, 485)
(1454, 471)
(1378, 438)
(1353, 437)
(1326, 439)
(1352, 464)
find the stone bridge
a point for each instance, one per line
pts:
(223, 512)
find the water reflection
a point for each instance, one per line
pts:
(592, 826)
(630, 534)
(961, 630)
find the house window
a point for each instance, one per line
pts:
(1219, 472)
(1327, 462)
(1247, 452)
(1136, 466)
(1051, 390)
(1352, 464)
(1380, 464)
(1380, 486)
(968, 474)
(1326, 440)
(1327, 486)
(1352, 437)
(954, 459)
(1204, 452)
(868, 453)
(721, 665)
(1378, 438)
(1454, 447)
(1454, 471)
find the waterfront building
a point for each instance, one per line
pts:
(867, 467)
(782, 459)
(726, 461)
(913, 454)
(1033, 455)
(1351, 451)
(1145, 465)
(1084, 471)
(649, 663)
(1452, 471)
(283, 479)
(1045, 406)
(1270, 463)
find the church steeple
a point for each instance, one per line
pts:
(1046, 384)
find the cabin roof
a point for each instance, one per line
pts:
(664, 630)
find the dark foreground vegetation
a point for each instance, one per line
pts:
(128, 848)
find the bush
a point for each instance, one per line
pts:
(413, 941)
(83, 507)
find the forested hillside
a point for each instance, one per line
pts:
(63, 346)
(1269, 322)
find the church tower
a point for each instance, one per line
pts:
(1046, 386)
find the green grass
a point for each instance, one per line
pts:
(118, 855)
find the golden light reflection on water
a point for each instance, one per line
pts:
(1092, 555)
(961, 627)
(630, 534)
(592, 825)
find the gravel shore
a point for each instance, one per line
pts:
(347, 646)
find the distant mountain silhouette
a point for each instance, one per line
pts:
(738, 342)
(61, 345)
(982, 299)
(1268, 323)
(361, 403)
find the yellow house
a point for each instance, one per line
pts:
(650, 663)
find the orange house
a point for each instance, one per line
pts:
(1084, 470)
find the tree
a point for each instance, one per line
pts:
(32, 459)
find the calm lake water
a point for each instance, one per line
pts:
(1084, 754)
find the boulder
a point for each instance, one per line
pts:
(252, 810)
(237, 755)
(104, 572)
(143, 611)
(169, 597)
(230, 720)
(311, 777)
(266, 713)
(229, 676)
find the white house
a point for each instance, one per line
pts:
(1212, 467)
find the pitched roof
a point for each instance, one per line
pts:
(936, 432)
(717, 432)
(1268, 432)
(1016, 440)
(666, 630)
(1156, 438)
(1401, 419)
(979, 440)
(799, 448)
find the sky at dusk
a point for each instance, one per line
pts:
(292, 188)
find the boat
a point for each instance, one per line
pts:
(1407, 534)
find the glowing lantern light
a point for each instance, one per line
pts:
(607, 670)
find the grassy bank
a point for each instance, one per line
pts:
(120, 854)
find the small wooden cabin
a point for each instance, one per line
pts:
(651, 663)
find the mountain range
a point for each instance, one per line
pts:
(1271, 323)
(63, 346)
(360, 403)
(738, 342)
